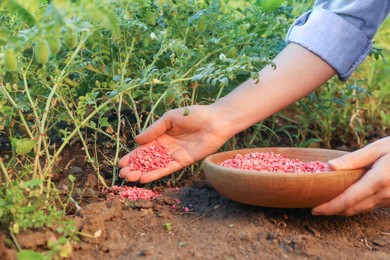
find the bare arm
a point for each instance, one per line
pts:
(298, 72)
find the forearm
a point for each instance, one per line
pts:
(298, 72)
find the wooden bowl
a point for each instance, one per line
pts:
(280, 189)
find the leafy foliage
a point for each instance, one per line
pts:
(92, 70)
(73, 68)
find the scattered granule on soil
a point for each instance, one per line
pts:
(272, 162)
(149, 159)
(132, 193)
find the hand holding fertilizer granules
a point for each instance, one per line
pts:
(151, 158)
(272, 162)
(145, 160)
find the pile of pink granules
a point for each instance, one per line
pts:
(272, 162)
(132, 193)
(151, 158)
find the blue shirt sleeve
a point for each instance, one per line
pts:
(340, 32)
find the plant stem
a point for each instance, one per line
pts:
(21, 116)
(34, 109)
(42, 123)
(151, 112)
(118, 130)
(220, 92)
(15, 241)
(107, 135)
(193, 94)
(117, 140)
(135, 113)
(4, 170)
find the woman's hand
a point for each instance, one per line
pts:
(371, 191)
(189, 138)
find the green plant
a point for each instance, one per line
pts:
(23, 206)
(140, 65)
(112, 70)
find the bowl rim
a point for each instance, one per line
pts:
(236, 171)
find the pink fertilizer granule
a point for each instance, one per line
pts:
(272, 162)
(149, 159)
(132, 193)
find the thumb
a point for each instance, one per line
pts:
(358, 159)
(154, 131)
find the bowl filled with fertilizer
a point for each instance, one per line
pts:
(281, 177)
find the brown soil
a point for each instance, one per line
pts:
(213, 228)
(217, 228)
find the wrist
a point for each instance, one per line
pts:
(229, 118)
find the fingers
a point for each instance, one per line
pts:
(133, 176)
(362, 157)
(370, 192)
(154, 131)
(377, 200)
(129, 175)
(171, 167)
(124, 161)
(350, 197)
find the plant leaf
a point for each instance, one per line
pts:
(24, 145)
(31, 183)
(30, 255)
(24, 13)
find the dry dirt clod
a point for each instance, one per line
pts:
(75, 170)
(143, 204)
(34, 239)
(169, 200)
(91, 228)
(91, 181)
(162, 214)
(157, 207)
(100, 211)
(6, 253)
(146, 212)
(159, 200)
(114, 235)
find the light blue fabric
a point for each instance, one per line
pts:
(340, 32)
